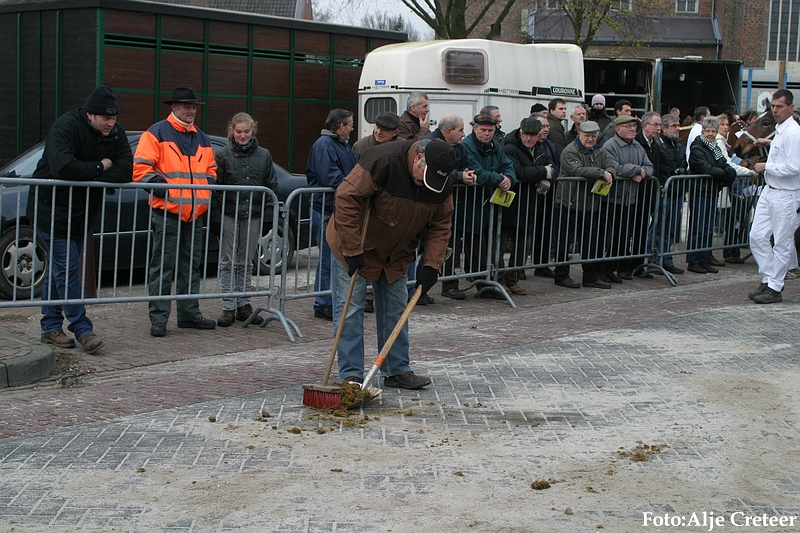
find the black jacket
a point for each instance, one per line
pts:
(701, 161)
(72, 152)
(672, 158)
(530, 168)
(252, 167)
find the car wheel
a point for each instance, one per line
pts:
(265, 245)
(22, 264)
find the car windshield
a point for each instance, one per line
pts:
(23, 165)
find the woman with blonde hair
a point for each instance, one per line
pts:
(736, 224)
(242, 163)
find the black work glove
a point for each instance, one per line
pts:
(427, 278)
(158, 193)
(354, 263)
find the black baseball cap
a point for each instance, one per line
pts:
(440, 161)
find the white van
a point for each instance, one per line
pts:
(461, 76)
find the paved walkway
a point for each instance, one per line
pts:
(641, 399)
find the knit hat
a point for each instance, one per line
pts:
(102, 102)
(440, 160)
(598, 99)
(387, 120)
(537, 108)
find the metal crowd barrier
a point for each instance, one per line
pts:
(568, 225)
(572, 225)
(121, 241)
(698, 216)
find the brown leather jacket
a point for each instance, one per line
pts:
(399, 210)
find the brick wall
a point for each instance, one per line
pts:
(743, 24)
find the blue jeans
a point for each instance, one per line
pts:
(701, 227)
(671, 209)
(63, 281)
(390, 302)
(323, 279)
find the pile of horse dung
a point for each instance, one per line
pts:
(352, 394)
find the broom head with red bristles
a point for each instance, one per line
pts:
(322, 397)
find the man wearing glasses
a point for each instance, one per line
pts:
(672, 163)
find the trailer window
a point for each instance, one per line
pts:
(465, 67)
(373, 106)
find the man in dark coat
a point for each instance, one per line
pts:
(556, 114)
(672, 162)
(451, 131)
(527, 219)
(646, 136)
(83, 145)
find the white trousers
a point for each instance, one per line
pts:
(776, 216)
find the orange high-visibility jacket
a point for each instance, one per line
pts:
(179, 155)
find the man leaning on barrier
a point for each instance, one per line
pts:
(177, 152)
(85, 144)
(451, 131)
(672, 162)
(622, 209)
(494, 170)
(526, 220)
(576, 207)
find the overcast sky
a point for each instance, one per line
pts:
(352, 14)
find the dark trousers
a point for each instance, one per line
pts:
(571, 222)
(177, 252)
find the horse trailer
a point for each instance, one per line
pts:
(759, 84)
(462, 76)
(287, 73)
(661, 84)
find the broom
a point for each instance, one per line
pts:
(325, 396)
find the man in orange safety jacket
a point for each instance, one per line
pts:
(174, 151)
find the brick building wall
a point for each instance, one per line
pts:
(743, 25)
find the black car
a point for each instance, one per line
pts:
(23, 267)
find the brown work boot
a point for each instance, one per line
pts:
(243, 312)
(91, 343)
(57, 338)
(227, 319)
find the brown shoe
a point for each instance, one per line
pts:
(513, 288)
(568, 283)
(57, 338)
(91, 343)
(243, 312)
(597, 284)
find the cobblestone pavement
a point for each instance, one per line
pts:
(642, 399)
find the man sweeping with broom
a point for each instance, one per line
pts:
(402, 188)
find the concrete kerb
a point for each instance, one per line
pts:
(23, 362)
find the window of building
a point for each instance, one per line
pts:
(553, 4)
(784, 16)
(686, 6)
(622, 5)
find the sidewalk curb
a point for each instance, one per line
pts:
(28, 363)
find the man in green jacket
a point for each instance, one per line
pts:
(494, 170)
